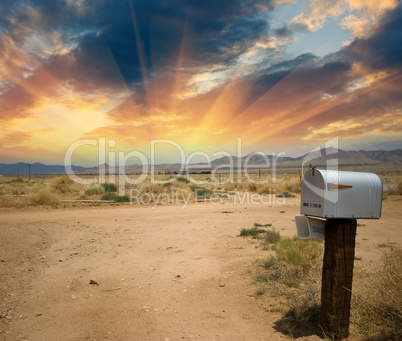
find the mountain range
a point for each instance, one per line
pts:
(23, 168)
(316, 158)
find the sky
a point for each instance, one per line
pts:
(206, 76)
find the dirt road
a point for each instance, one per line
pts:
(163, 274)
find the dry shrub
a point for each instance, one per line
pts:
(63, 184)
(6, 189)
(181, 188)
(250, 186)
(147, 187)
(11, 201)
(378, 311)
(298, 260)
(400, 187)
(303, 314)
(21, 188)
(268, 189)
(291, 184)
(231, 186)
(283, 183)
(297, 264)
(175, 189)
(43, 197)
(266, 184)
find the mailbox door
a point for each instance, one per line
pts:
(312, 197)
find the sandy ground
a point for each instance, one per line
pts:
(163, 274)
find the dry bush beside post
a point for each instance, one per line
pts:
(377, 307)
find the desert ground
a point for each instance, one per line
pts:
(168, 273)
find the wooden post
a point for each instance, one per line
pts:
(337, 276)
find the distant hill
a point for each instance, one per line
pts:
(316, 158)
(22, 168)
(319, 158)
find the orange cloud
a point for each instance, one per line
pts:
(15, 138)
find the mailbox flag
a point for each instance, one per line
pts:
(338, 186)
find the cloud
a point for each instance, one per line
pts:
(361, 17)
(15, 138)
(123, 45)
(366, 96)
(386, 124)
(314, 17)
(353, 92)
(382, 50)
(137, 70)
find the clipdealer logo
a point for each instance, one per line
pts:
(236, 167)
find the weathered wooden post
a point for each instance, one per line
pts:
(331, 201)
(337, 276)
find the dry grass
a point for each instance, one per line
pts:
(8, 200)
(177, 190)
(43, 197)
(302, 316)
(65, 184)
(293, 272)
(150, 188)
(392, 181)
(282, 183)
(21, 188)
(297, 261)
(285, 181)
(377, 310)
(399, 188)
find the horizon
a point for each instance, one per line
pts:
(196, 163)
(282, 75)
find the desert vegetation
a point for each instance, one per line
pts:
(377, 312)
(291, 270)
(20, 192)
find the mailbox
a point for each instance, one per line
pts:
(340, 194)
(336, 194)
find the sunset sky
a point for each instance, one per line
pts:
(282, 75)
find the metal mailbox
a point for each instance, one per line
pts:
(336, 194)
(331, 201)
(340, 194)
